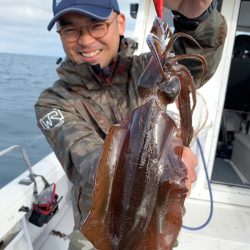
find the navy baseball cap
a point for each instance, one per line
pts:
(97, 9)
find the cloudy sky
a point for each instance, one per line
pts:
(23, 27)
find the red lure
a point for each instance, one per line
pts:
(159, 7)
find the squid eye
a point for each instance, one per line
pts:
(171, 89)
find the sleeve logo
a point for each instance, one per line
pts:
(53, 119)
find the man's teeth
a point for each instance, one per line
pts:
(91, 54)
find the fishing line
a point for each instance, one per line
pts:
(33, 141)
(210, 193)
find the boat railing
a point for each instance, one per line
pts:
(17, 200)
(26, 160)
(14, 238)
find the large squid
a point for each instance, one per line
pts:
(140, 184)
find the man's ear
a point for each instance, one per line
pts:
(121, 24)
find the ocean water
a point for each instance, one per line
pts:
(22, 78)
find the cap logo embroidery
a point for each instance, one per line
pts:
(53, 119)
(58, 2)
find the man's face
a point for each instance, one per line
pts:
(88, 48)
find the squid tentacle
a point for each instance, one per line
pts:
(184, 104)
(190, 84)
(199, 58)
(185, 116)
(155, 54)
(158, 29)
(173, 39)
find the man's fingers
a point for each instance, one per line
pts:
(190, 161)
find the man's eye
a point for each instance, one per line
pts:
(97, 26)
(69, 30)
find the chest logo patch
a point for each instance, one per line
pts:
(53, 119)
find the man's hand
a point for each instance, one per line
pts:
(188, 8)
(190, 161)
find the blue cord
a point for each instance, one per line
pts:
(210, 193)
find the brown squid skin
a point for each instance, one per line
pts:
(140, 184)
(96, 227)
(140, 187)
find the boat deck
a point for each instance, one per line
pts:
(229, 229)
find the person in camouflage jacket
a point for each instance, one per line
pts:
(96, 90)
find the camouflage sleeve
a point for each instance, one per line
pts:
(76, 144)
(210, 34)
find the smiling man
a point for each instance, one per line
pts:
(95, 42)
(97, 83)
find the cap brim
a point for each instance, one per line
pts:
(94, 12)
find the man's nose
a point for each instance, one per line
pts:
(85, 37)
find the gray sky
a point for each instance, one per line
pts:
(23, 27)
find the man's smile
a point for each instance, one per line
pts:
(91, 54)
